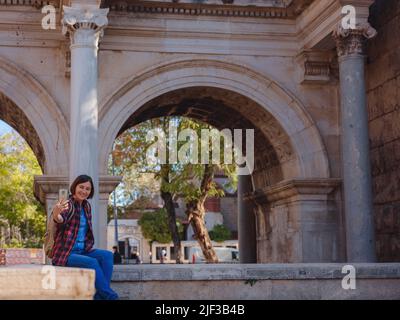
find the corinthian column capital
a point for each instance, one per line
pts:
(352, 41)
(84, 24)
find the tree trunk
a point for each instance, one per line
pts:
(169, 206)
(196, 214)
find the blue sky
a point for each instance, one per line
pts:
(4, 128)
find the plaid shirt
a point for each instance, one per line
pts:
(67, 232)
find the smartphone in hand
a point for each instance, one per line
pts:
(62, 194)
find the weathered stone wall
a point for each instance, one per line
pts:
(383, 89)
(254, 282)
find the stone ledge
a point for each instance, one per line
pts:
(200, 272)
(256, 282)
(44, 282)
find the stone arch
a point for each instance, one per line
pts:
(42, 123)
(290, 211)
(224, 109)
(299, 139)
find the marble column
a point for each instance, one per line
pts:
(84, 25)
(356, 171)
(246, 222)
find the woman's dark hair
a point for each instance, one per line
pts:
(82, 179)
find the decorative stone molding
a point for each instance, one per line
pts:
(66, 51)
(107, 184)
(352, 41)
(68, 63)
(316, 67)
(89, 20)
(292, 188)
(47, 184)
(34, 3)
(322, 17)
(226, 8)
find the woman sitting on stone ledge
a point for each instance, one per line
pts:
(73, 246)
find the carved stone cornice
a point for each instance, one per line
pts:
(353, 41)
(107, 184)
(310, 188)
(84, 24)
(34, 3)
(283, 9)
(49, 185)
(45, 184)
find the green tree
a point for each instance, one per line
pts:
(141, 179)
(220, 233)
(192, 181)
(154, 226)
(23, 217)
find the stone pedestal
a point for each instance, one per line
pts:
(356, 168)
(297, 222)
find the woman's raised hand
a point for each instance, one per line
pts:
(60, 206)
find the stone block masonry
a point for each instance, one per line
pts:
(383, 90)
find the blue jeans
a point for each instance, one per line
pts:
(102, 262)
